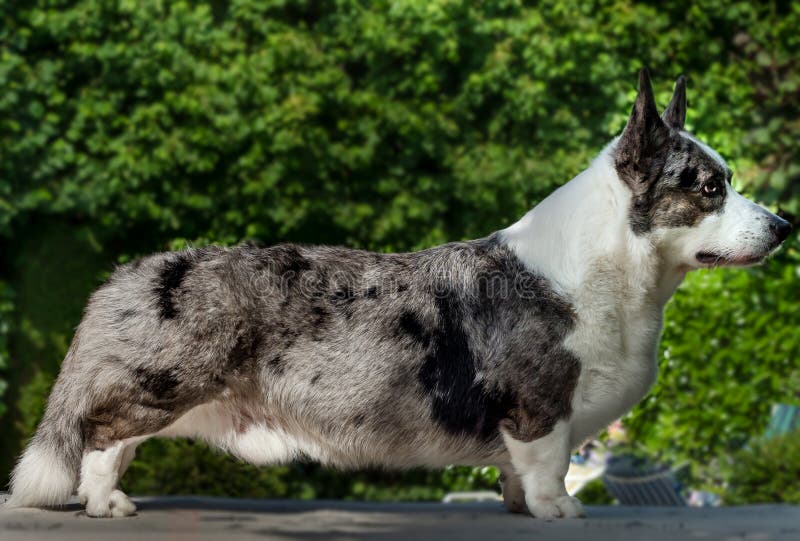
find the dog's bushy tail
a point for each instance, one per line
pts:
(47, 471)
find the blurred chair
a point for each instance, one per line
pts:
(655, 489)
(632, 486)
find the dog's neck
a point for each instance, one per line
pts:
(580, 239)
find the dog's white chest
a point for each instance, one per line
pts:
(618, 349)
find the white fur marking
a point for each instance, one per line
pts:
(40, 479)
(99, 476)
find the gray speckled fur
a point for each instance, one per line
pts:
(386, 357)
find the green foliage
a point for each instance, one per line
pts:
(6, 311)
(595, 493)
(128, 127)
(388, 126)
(765, 472)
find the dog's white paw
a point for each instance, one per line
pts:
(121, 505)
(561, 507)
(116, 505)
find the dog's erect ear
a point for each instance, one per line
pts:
(675, 113)
(643, 136)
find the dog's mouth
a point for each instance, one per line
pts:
(711, 259)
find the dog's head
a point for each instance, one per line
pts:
(682, 198)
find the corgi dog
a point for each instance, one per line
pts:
(509, 350)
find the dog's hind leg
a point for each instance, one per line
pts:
(513, 493)
(127, 457)
(119, 503)
(111, 438)
(99, 475)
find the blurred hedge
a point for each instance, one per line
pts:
(127, 126)
(752, 472)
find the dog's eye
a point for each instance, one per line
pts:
(711, 189)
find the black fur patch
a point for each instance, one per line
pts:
(169, 279)
(688, 177)
(371, 292)
(161, 383)
(319, 316)
(343, 295)
(343, 299)
(286, 261)
(410, 325)
(278, 364)
(318, 322)
(245, 349)
(448, 373)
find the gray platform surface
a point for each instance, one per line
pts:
(216, 518)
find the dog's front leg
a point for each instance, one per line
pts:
(542, 466)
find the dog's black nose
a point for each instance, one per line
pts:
(780, 228)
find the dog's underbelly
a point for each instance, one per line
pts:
(225, 428)
(269, 439)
